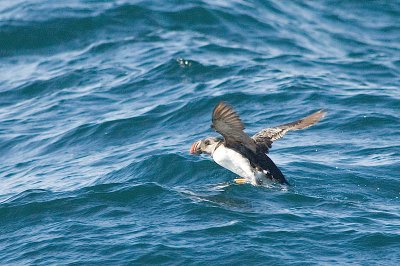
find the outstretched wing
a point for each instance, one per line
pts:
(265, 137)
(228, 123)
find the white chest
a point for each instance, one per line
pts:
(234, 162)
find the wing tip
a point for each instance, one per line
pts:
(222, 105)
(308, 121)
(321, 113)
(225, 110)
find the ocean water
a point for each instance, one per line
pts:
(100, 102)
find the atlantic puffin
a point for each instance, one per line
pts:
(244, 155)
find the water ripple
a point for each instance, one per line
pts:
(100, 102)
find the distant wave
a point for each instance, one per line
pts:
(100, 102)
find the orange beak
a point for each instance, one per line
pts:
(195, 148)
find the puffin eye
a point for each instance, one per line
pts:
(207, 142)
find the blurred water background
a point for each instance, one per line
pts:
(101, 100)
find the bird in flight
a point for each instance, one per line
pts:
(244, 155)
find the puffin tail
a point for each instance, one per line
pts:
(275, 172)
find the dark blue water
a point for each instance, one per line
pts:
(101, 100)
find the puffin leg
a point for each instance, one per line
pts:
(240, 180)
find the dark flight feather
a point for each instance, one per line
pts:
(228, 123)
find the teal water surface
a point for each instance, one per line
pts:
(101, 100)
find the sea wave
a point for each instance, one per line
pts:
(101, 101)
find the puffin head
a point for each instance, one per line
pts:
(206, 145)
